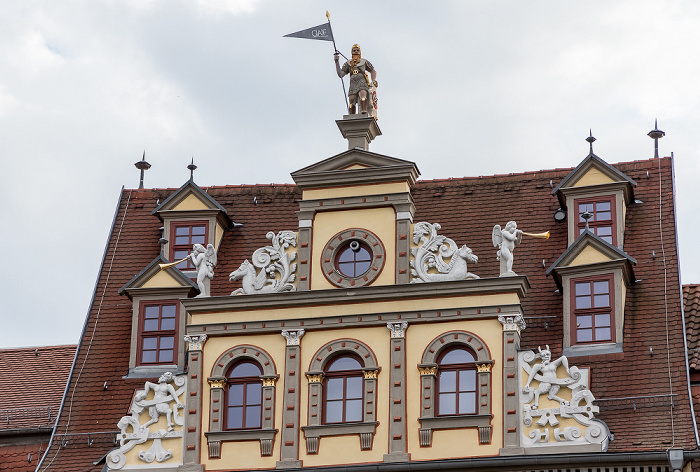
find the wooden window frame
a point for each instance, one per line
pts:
(186, 247)
(461, 367)
(245, 381)
(574, 312)
(593, 224)
(157, 333)
(342, 374)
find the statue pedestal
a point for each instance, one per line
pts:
(359, 130)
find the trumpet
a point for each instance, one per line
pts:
(537, 235)
(173, 264)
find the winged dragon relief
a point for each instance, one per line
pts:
(441, 253)
(272, 269)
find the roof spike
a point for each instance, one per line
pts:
(192, 168)
(143, 166)
(590, 140)
(656, 134)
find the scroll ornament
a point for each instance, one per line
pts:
(165, 402)
(272, 269)
(440, 253)
(540, 367)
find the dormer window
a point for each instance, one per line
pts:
(593, 306)
(184, 236)
(602, 221)
(158, 333)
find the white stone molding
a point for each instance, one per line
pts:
(272, 269)
(397, 329)
(204, 260)
(512, 322)
(165, 402)
(539, 368)
(196, 341)
(293, 337)
(505, 240)
(432, 253)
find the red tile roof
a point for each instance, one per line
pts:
(21, 458)
(691, 305)
(467, 209)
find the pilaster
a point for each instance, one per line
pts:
(398, 432)
(289, 449)
(512, 324)
(191, 453)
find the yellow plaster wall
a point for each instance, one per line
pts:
(453, 443)
(342, 309)
(174, 444)
(592, 177)
(356, 190)
(161, 279)
(191, 202)
(346, 449)
(218, 236)
(380, 221)
(246, 454)
(589, 255)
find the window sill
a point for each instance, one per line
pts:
(483, 422)
(265, 436)
(592, 349)
(366, 431)
(149, 371)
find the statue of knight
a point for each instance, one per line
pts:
(360, 84)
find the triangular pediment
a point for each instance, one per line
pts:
(153, 277)
(356, 166)
(594, 171)
(589, 250)
(189, 197)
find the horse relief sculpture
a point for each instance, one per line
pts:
(567, 417)
(440, 253)
(275, 267)
(165, 402)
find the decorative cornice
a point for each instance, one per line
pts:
(293, 337)
(196, 341)
(397, 329)
(512, 322)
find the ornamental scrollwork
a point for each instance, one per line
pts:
(272, 269)
(440, 253)
(166, 403)
(542, 380)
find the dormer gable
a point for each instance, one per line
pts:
(189, 197)
(153, 279)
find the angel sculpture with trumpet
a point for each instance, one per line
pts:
(203, 259)
(505, 240)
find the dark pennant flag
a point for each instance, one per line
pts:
(322, 32)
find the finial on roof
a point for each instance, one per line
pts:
(192, 168)
(656, 134)
(142, 165)
(590, 140)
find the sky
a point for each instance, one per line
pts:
(466, 88)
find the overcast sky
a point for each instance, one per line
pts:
(466, 88)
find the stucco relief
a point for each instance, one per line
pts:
(273, 268)
(567, 416)
(165, 402)
(440, 253)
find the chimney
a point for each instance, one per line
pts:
(359, 130)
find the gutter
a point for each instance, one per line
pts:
(82, 334)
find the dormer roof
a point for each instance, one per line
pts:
(190, 197)
(590, 250)
(153, 278)
(353, 167)
(607, 174)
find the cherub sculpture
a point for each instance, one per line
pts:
(204, 261)
(164, 393)
(549, 382)
(505, 240)
(360, 84)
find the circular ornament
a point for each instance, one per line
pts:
(353, 258)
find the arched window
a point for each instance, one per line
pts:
(457, 382)
(244, 396)
(343, 390)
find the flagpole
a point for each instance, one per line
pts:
(328, 15)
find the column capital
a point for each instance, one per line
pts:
(512, 322)
(196, 341)
(397, 329)
(293, 337)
